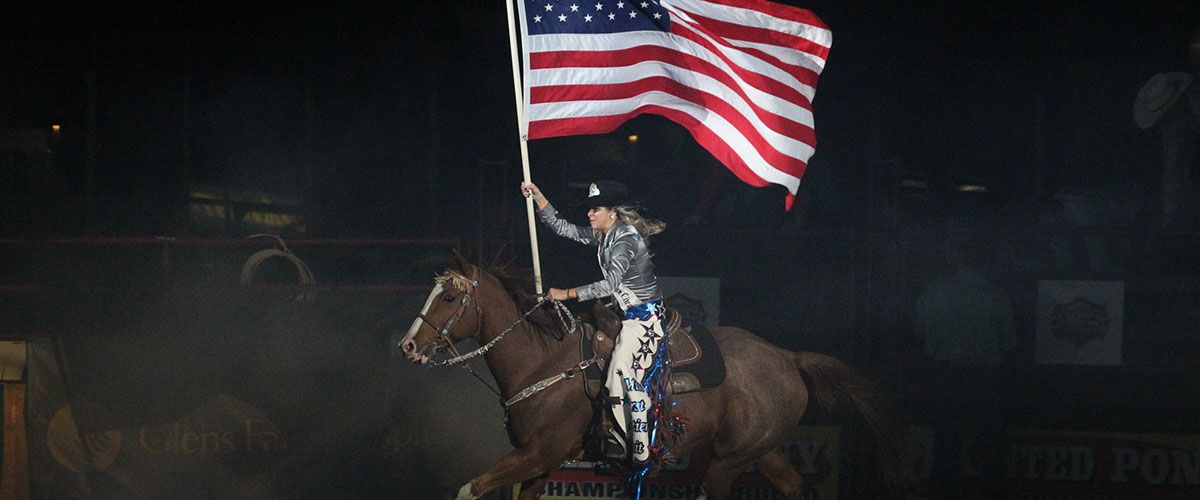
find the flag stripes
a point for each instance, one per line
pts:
(739, 75)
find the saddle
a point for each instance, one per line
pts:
(696, 360)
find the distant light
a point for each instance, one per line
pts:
(971, 188)
(633, 138)
(56, 128)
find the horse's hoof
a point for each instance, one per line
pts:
(464, 493)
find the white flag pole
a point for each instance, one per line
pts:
(524, 140)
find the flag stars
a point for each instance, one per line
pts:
(601, 29)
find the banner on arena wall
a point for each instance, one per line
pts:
(171, 458)
(121, 433)
(1080, 322)
(814, 451)
(1139, 466)
(44, 394)
(1088, 465)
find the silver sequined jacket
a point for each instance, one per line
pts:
(623, 255)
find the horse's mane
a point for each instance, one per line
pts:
(519, 283)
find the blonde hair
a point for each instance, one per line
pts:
(645, 227)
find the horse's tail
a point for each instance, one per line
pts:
(846, 395)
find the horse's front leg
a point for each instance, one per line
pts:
(516, 466)
(533, 488)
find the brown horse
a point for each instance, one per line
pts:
(741, 423)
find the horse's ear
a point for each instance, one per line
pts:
(460, 263)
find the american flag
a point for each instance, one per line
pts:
(740, 75)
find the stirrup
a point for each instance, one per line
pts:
(613, 449)
(610, 468)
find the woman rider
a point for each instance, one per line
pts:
(621, 235)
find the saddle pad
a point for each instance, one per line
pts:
(706, 370)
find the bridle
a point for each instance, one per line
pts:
(462, 283)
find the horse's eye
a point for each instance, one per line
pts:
(448, 298)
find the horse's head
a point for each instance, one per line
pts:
(451, 313)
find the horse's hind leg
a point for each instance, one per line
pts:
(532, 489)
(720, 475)
(776, 467)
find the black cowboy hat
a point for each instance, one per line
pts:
(605, 194)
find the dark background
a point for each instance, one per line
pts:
(382, 120)
(348, 108)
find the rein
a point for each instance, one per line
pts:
(483, 349)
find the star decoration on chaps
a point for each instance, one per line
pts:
(651, 333)
(645, 349)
